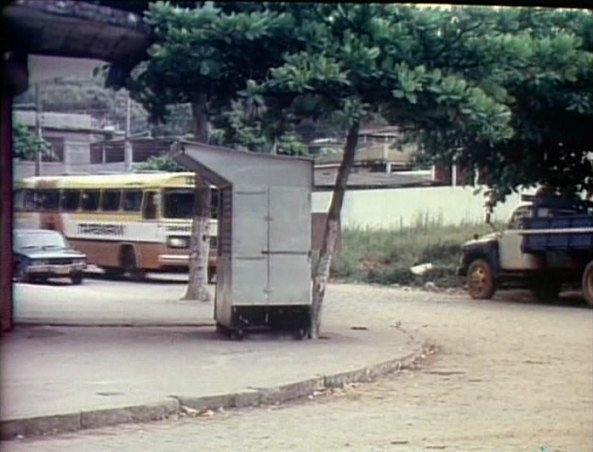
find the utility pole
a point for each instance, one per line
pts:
(128, 152)
(38, 130)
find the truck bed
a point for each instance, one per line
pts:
(569, 233)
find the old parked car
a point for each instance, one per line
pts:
(40, 254)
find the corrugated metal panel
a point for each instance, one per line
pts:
(225, 237)
(250, 207)
(290, 220)
(250, 282)
(290, 279)
(250, 240)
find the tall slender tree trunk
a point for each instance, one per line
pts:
(199, 245)
(200, 230)
(321, 273)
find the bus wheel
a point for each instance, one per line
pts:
(129, 265)
(588, 283)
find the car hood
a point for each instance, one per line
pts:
(486, 238)
(40, 253)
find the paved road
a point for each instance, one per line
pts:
(100, 301)
(509, 375)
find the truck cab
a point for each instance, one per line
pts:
(547, 242)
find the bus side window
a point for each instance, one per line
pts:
(47, 200)
(90, 200)
(150, 206)
(29, 200)
(18, 200)
(110, 200)
(214, 203)
(132, 200)
(70, 200)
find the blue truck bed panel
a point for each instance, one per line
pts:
(571, 233)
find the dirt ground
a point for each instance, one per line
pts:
(508, 375)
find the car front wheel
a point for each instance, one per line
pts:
(480, 280)
(77, 278)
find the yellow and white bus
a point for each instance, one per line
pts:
(124, 223)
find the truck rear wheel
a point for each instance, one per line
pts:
(480, 280)
(588, 283)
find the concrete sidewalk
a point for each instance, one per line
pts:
(65, 378)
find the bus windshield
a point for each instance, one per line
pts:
(178, 203)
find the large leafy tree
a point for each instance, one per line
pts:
(363, 59)
(474, 85)
(203, 56)
(507, 90)
(550, 93)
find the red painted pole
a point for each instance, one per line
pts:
(6, 300)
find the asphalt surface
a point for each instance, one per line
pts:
(508, 375)
(109, 352)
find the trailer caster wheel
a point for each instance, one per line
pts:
(301, 334)
(222, 330)
(238, 334)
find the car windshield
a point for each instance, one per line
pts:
(40, 240)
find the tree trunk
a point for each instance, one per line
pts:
(200, 229)
(321, 273)
(199, 243)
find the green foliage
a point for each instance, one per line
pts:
(160, 163)
(508, 90)
(539, 65)
(206, 50)
(373, 58)
(26, 145)
(385, 256)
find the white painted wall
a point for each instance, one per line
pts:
(401, 207)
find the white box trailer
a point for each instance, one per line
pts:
(264, 236)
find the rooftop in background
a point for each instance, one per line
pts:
(376, 146)
(369, 180)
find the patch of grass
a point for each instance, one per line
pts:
(385, 256)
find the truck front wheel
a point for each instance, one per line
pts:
(480, 280)
(588, 283)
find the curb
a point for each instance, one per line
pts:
(180, 405)
(112, 324)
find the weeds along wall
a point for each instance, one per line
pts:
(399, 208)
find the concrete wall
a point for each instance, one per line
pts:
(397, 208)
